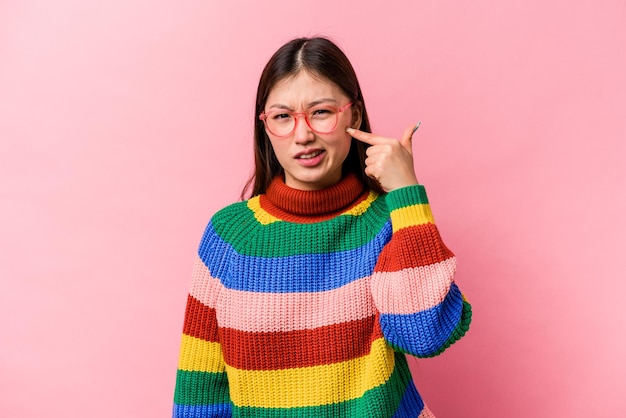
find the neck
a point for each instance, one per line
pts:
(322, 202)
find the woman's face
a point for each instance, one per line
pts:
(311, 160)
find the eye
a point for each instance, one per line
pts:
(280, 116)
(322, 112)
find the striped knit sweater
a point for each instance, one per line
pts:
(304, 304)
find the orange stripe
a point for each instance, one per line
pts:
(413, 246)
(200, 321)
(300, 348)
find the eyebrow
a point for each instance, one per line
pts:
(310, 105)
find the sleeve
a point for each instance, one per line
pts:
(201, 382)
(422, 311)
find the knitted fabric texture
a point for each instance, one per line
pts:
(304, 304)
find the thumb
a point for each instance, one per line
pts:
(407, 136)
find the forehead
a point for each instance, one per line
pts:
(303, 88)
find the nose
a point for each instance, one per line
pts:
(302, 133)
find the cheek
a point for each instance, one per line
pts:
(347, 140)
(342, 145)
(277, 148)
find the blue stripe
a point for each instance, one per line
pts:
(297, 273)
(196, 411)
(411, 404)
(423, 333)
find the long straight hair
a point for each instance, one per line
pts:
(321, 58)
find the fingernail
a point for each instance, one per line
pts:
(349, 129)
(416, 126)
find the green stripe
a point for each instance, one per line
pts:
(201, 388)
(406, 196)
(381, 401)
(237, 225)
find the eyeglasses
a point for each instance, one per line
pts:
(322, 119)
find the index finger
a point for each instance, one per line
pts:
(366, 137)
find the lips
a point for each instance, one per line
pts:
(310, 158)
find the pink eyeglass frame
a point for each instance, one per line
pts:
(263, 116)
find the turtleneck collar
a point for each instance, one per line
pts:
(315, 202)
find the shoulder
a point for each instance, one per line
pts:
(231, 214)
(226, 221)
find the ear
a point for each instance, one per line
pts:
(356, 116)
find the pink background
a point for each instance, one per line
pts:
(125, 125)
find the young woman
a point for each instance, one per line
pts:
(306, 297)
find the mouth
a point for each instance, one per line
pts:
(307, 155)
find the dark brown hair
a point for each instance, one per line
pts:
(321, 58)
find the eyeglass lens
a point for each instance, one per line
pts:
(322, 119)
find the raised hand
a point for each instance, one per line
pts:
(389, 161)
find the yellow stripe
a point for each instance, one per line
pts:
(362, 207)
(200, 355)
(411, 215)
(312, 386)
(254, 204)
(263, 217)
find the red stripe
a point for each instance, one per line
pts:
(301, 348)
(414, 246)
(200, 320)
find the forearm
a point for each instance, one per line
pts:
(422, 311)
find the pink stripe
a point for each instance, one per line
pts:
(203, 286)
(426, 413)
(413, 289)
(263, 312)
